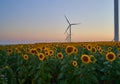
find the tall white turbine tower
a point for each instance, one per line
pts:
(68, 38)
(116, 20)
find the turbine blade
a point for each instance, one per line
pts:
(75, 23)
(67, 33)
(67, 28)
(67, 37)
(67, 20)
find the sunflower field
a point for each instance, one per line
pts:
(60, 63)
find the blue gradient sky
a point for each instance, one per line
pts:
(29, 21)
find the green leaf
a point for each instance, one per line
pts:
(61, 75)
(118, 72)
(63, 68)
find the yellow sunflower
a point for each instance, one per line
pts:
(63, 45)
(9, 51)
(118, 46)
(110, 56)
(32, 51)
(109, 49)
(89, 47)
(84, 46)
(98, 48)
(74, 63)
(16, 50)
(93, 59)
(60, 55)
(25, 57)
(38, 49)
(101, 51)
(85, 59)
(69, 50)
(41, 56)
(43, 47)
(47, 53)
(118, 55)
(46, 49)
(118, 49)
(51, 52)
(75, 50)
(35, 51)
(94, 50)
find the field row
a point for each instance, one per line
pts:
(60, 63)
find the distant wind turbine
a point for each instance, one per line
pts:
(68, 38)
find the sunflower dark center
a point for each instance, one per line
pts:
(110, 56)
(93, 49)
(32, 51)
(59, 55)
(85, 59)
(41, 56)
(38, 49)
(74, 63)
(69, 49)
(89, 47)
(43, 48)
(35, 51)
(25, 56)
(46, 53)
(118, 55)
(50, 52)
(9, 50)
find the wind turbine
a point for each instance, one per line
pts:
(68, 38)
(116, 20)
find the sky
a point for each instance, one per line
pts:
(31, 21)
